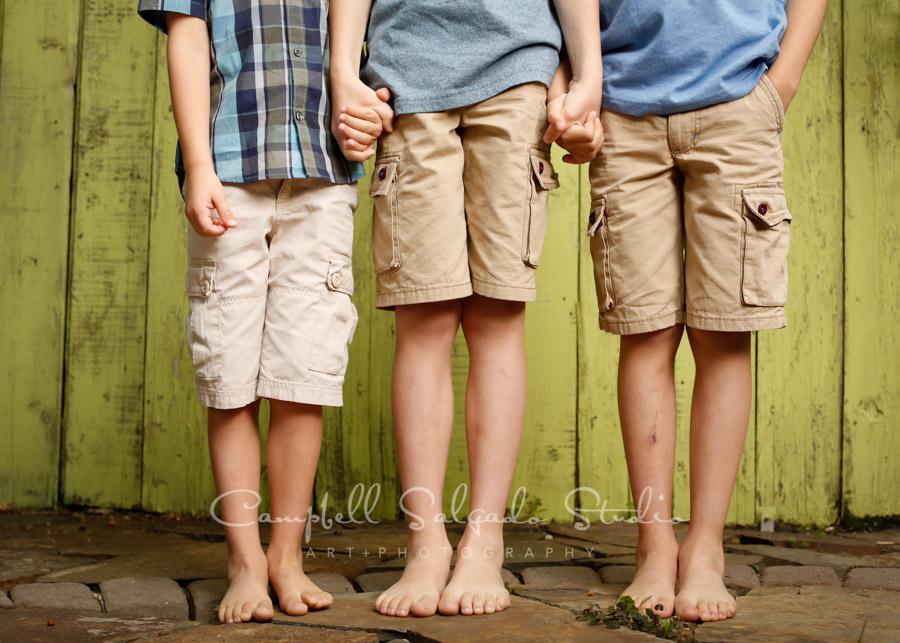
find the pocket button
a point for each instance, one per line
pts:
(205, 286)
(336, 280)
(541, 167)
(762, 208)
(382, 173)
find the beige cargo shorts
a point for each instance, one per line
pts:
(460, 201)
(270, 310)
(688, 221)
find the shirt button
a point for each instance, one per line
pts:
(762, 208)
(297, 52)
(299, 116)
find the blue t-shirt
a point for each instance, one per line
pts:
(664, 57)
(436, 55)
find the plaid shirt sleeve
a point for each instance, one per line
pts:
(154, 11)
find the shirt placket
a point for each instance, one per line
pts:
(298, 60)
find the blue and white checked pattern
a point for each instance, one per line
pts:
(270, 117)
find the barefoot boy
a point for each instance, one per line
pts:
(460, 189)
(269, 277)
(689, 227)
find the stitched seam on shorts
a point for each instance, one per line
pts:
(740, 317)
(295, 289)
(641, 320)
(296, 386)
(396, 291)
(484, 282)
(233, 392)
(241, 299)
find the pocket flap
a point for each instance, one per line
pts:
(543, 171)
(768, 205)
(597, 216)
(340, 273)
(201, 277)
(383, 177)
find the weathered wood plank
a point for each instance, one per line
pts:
(108, 266)
(871, 476)
(38, 61)
(799, 368)
(358, 446)
(601, 455)
(176, 472)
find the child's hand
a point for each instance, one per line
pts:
(583, 142)
(573, 107)
(353, 94)
(203, 193)
(360, 127)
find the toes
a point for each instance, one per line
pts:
(703, 608)
(405, 604)
(395, 604)
(264, 611)
(688, 612)
(382, 600)
(449, 606)
(317, 599)
(490, 603)
(465, 603)
(478, 604)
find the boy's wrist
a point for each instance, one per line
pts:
(343, 73)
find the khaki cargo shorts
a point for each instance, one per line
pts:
(461, 201)
(689, 222)
(270, 310)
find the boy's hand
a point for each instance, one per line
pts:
(786, 88)
(360, 126)
(352, 95)
(203, 193)
(583, 142)
(573, 107)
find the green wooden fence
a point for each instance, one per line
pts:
(96, 389)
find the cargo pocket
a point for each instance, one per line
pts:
(385, 221)
(336, 319)
(598, 231)
(541, 179)
(204, 323)
(764, 251)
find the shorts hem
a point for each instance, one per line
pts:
(504, 291)
(425, 295)
(229, 399)
(736, 324)
(300, 393)
(648, 325)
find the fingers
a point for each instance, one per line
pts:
(384, 94)
(387, 115)
(556, 122)
(353, 151)
(220, 203)
(582, 142)
(361, 130)
(202, 222)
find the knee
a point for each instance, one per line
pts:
(433, 321)
(482, 315)
(713, 342)
(658, 346)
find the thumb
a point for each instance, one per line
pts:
(387, 115)
(383, 94)
(223, 210)
(556, 123)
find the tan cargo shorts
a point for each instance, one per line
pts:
(689, 222)
(270, 310)
(461, 201)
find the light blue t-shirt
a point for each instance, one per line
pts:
(436, 55)
(666, 56)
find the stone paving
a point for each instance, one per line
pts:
(98, 576)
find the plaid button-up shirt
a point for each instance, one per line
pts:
(270, 116)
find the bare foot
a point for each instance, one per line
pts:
(247, 596)
(657, 569)
(418, 590)
(296, 593)
(476, 586)
(701, 592)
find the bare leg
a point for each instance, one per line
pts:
(495, 413)
(720, 415)
(422, 398)
(234, 451)
(647, 412)
(295, 437)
